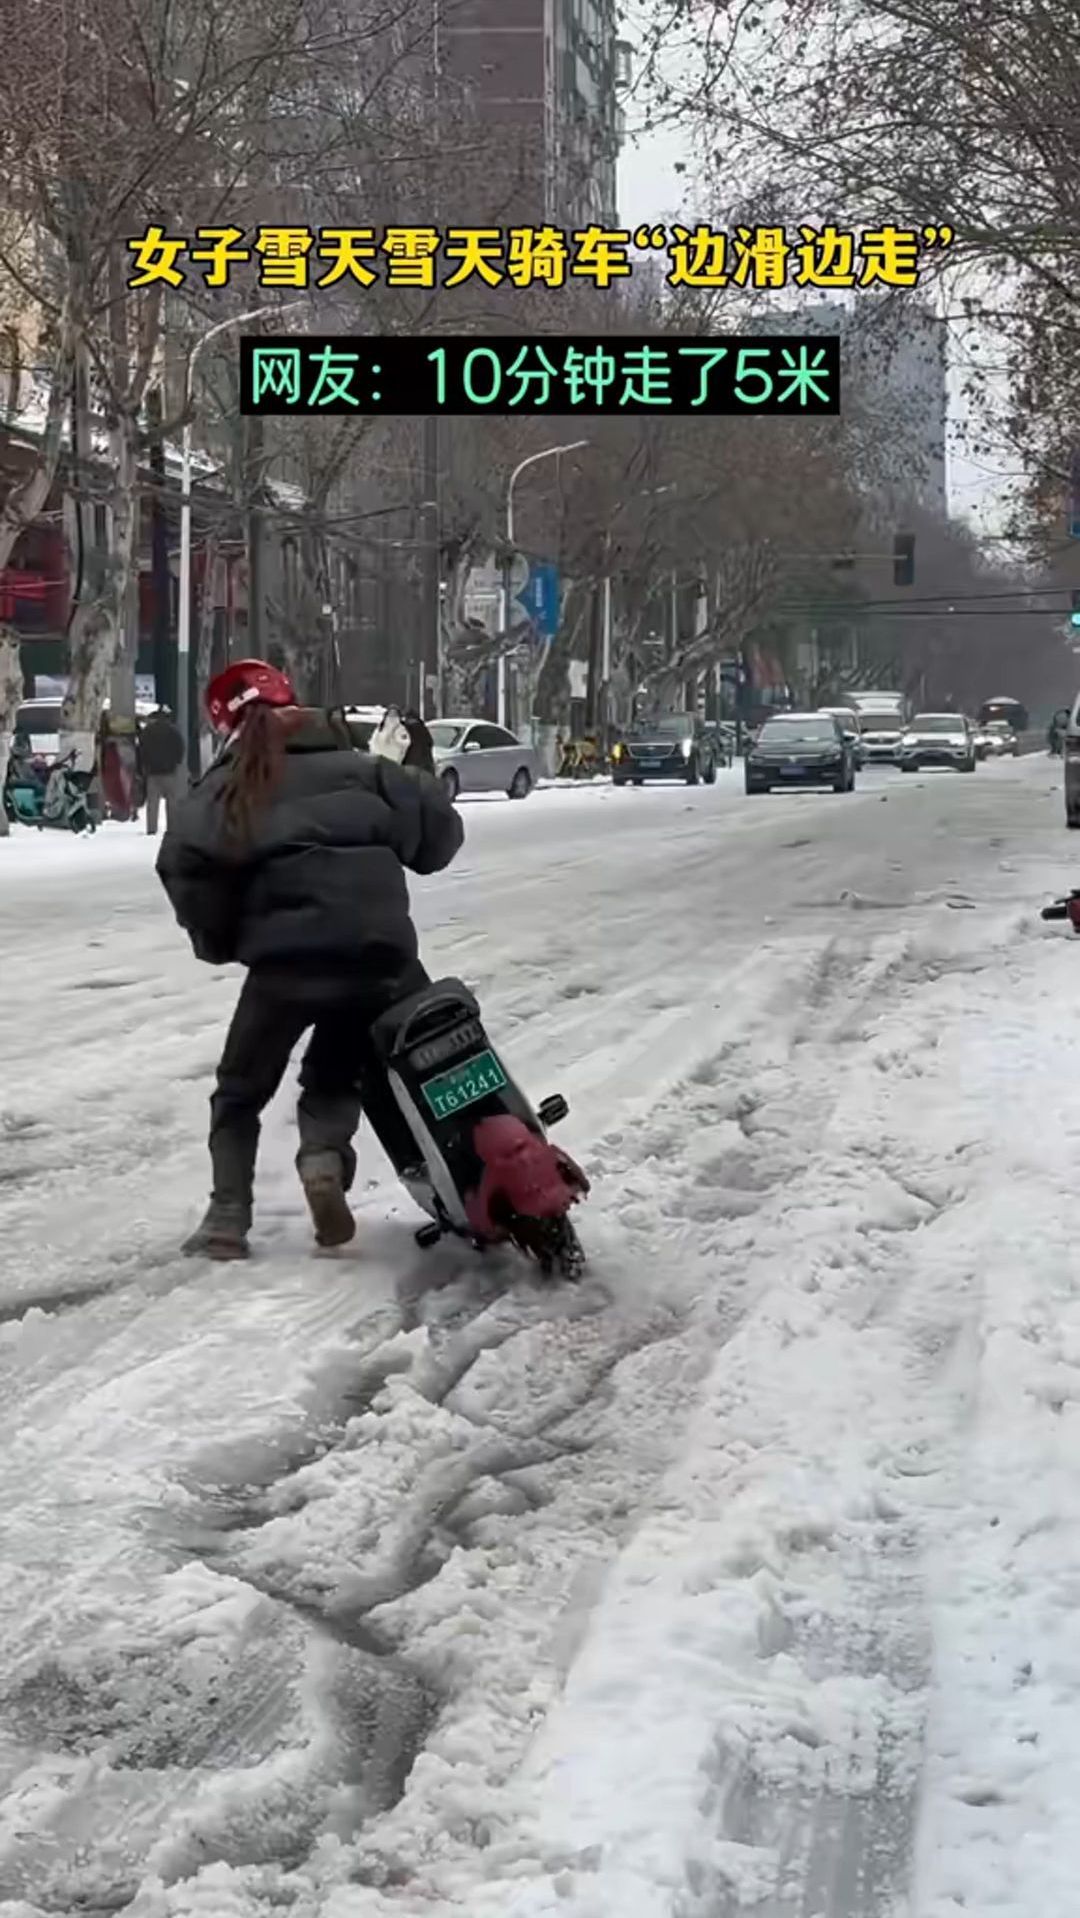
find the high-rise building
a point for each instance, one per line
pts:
(895, 364)
(543, 79)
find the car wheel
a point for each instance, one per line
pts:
(637, 782)
(619, 782)
(451, 783)
(521, 784)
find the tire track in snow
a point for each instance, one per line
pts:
(809, 1819)
(454, 1349)
(820, 1830)
(671, 1123)
(433, 1522)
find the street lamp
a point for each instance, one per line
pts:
(183, 622)
(549, 452)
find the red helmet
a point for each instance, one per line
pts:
(246, 682)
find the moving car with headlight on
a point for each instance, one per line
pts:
(673, 746)
(997, 741)
(880, 735)
(938, 739)
(801, 749)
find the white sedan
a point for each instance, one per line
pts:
(474, 756)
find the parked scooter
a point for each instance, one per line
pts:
(1065, 909)
(56, 796)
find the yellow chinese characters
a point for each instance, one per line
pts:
(761, 258)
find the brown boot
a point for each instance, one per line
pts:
(223, 1233)
(322, 1177)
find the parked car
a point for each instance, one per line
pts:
(849, 723)
(996, 740)
(38, 721)
(473, 756)
(362, 721)
(801, 749)
(1071, 758)
(673, 746)
(939, 739)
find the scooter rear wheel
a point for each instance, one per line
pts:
(554, 1245)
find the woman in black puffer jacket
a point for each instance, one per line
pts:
(289, 858)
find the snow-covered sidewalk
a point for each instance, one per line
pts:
(739, 1578)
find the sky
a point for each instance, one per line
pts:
(651, 189)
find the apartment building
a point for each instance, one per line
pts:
(543, 78)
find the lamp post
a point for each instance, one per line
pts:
(184, 714)
(549, 452)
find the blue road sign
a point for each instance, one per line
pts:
(540, 597)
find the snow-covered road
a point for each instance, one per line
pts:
(741, 1577)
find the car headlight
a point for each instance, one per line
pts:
(618, 751)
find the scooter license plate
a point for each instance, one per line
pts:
(464, 1085)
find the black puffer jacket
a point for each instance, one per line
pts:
(321, 889)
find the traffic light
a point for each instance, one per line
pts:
(1074, 616)
(903, 570)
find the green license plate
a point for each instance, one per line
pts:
(465, 1086)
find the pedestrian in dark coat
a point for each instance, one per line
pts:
(289, 857)
(161, 762)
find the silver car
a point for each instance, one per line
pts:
(473, 756)
(939, 739)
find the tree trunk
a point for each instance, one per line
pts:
(10, 698)
(553, 685)
(204, 646)
(99, 627)
(24, 501)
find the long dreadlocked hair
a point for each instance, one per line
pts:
(255, 766)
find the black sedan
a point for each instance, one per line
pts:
(801, 749)
(673, 746)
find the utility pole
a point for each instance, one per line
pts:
(254, 462)
(604, 703)
(164, 658)
(596, 643)
(430, 532)
(430, 649)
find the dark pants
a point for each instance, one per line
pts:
(341, 1077)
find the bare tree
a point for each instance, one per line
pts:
(23, 502)
(922, 114)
